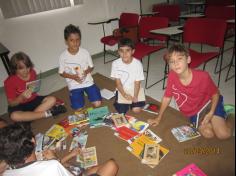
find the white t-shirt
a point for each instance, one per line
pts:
(40, 168)
(70, 64)
(127, 73)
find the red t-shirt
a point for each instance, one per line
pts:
(14, 86)
(191, 98)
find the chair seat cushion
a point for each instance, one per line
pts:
(110, 40)
(198, 58)
(142, 50)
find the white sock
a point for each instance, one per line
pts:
(48, 114)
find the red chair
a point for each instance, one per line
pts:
(142, 49)
(205, 31)
(219, 2)
(126, 21)
(171, 11)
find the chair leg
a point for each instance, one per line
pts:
(147, 72)
(165, 75)
(221, 59)
(217, 61)
(230, 65)
(104, 53)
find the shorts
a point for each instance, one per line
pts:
(123, 108)
(219, 111)
(29, 106)
(77, 96)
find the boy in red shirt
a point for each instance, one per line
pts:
(23, 104)
(192, 89)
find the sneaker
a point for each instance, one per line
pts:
(58, 110)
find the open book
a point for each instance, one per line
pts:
(107, 94)
(201, 114)
(34, 86)
(123, 100)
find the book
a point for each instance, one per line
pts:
(107, 94)
(34, 86)
(151, 154)
(97, 116)
(77, 119)
(56, 131)
(125, 133)
(190, 170)
(201, 113)
(119, 120)
(136, 125)
(123, 100)
(59, 102)
(152, 108)
(88, 157)
(79, 141)
(185, 133)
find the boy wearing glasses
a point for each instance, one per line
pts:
(192, 90)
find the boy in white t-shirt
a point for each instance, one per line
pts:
(76, 66)
(128, 74)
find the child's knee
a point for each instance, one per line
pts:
(112, 166)
(51, 99)
(223, 134)
(207, 133)
(97, 104)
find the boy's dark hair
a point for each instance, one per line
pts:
(179, 48)
(71, 29)
(16, 143)
(20, 56)
(126, 42)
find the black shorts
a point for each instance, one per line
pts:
(29, 106)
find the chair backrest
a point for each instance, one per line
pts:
(128, 20)
(219, 2)
(171, 11)
(220, 12)
(150, 23)
(205, 31)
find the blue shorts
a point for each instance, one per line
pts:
(29, 106)
(123, 108)
(218, 112)
(77, 96)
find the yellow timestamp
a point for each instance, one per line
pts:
(202, 151)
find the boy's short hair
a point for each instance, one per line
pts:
(126, 42)
(16, 143)
(179, 48)
(20, 56)
(71, 29)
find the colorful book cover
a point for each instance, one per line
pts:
(119, 120)
(97, 116)
(136, 124)
(190, 170)
(201, 114)
(79, 141)
(152, 108)
(56, 131)
(151, 154)
(77, 119)
(125, 133)
(185, 133)
(88, 157)
(34, 86)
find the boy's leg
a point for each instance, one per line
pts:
(206, 130)
(77, 99)
(47, 103)
(120, 108)
(94, 95)
(109, 168)
(220, 127)
(137, 107)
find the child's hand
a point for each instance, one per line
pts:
(135, 99)
(75, 152)
(49, 154)
(26, 94)
(128, 97)
(78, 79)
(207, 119)
(154, 122)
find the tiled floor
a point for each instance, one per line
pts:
(227, 89)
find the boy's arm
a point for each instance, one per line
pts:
(71, 76)
(70, 155)
(214, 102)
(88, 70)
(164, 104)
(136, 90)
(25, 95)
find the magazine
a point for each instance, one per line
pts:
(119, 120)
(56, 131)
(125, 133)
(152, 108)
(88, 157)
(34, 86)
(107, 94)
(79, 141)
(123, 100)
(201, 114)
(97, 116)
(190, 170)
(136, 124)
(184, 133)
(151, 154)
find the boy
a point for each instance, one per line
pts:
(17, 149)
(192, 89)
(76, 66)
(128, 74)
(23, 104)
